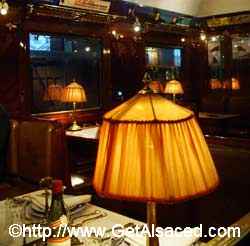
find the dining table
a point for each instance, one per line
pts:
(82, 214)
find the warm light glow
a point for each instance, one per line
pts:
(183, 40)
(214, 39)
(173, 87)
(156, 86)
(4, 7)
(54, 92)
(235, 84)
(137, 28)
(106, 51)
(114, 32)
(3, 11)
(215, 84)
(203, 36)
(137, 25)
(151, 149)
(74, 93)
(87, 49)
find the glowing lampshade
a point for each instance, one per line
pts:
(74, 93)
(215, 84)
(54, 92)
(156, 86)
(174, 87)
(152, 150)
(235, 84)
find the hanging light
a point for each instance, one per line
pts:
(4, 7)
(137, 25)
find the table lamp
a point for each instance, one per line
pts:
(173, 87)
(74, 93)
(235, 84)
(215, 84)
(53, 92)
(156, 86)
(152, 150)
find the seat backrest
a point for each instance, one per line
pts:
(39, 150)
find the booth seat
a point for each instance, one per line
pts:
(37, 148)
(236, 105)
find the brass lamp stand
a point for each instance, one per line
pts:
(74, 126)
(174, 97)
(151, 220)
(74, 93)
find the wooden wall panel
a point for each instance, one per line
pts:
(9, 81)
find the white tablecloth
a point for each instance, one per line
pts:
(108, 222)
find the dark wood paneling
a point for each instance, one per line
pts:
(10, 84)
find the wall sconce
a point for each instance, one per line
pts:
(4, 7)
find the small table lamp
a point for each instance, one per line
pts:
(235, 84)
(174, 87)
(152, 150)
(215, 84)
(156, 86)
(74, 93)
(53, 92)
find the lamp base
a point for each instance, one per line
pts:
(74, 127)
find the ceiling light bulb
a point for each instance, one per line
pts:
(87, 49)
(183, 40)
(4, 8)
(3, 11)
(137, 25)
(137, 28)
(21, 44)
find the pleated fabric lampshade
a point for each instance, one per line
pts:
(235, 84)
(156, 86)
(215, 84)
(74, 93)
(54, 92)
(174, 87)
(151, 149)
